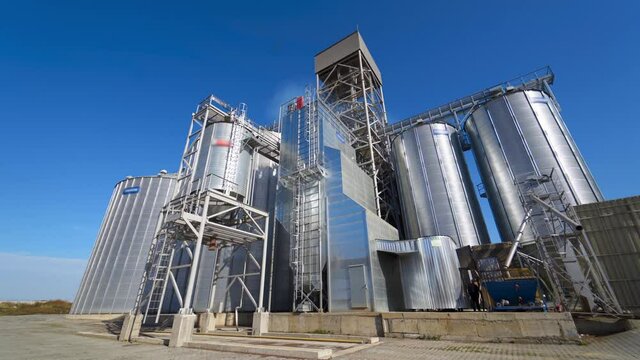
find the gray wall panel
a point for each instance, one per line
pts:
(613, 229)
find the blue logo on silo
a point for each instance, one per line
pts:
(131, 190)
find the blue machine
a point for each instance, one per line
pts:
(513, 294)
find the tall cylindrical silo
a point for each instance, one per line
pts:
(521, 134)
(224, 161)
(111, 280)
(437, 196)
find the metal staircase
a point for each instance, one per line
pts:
(577, 280)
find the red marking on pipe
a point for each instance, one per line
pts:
(222, 142)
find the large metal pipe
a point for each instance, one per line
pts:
(516, 242)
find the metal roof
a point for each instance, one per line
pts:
(343, 49)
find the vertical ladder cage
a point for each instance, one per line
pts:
(305, 226)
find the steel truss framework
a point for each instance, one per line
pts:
(353, 92)
(577, 279)
(215, 218)
(456, 112)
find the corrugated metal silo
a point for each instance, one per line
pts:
(521, 134)
(437, 196)
(111, 280)
(221, 138)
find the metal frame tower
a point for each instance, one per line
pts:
(349, 82)
(199, 215)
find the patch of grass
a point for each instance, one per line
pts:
(321, 331)
(40, 307)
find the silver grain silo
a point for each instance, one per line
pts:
(223, 139)
(437, 196)
(111, 280)
(521, 134)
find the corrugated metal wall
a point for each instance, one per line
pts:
(437, 196)
(110, 282)
(613, 228)
(429, 272)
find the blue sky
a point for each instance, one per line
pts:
(93, 91)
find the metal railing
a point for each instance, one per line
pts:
(537, 79)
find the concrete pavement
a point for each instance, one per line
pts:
(55, 337)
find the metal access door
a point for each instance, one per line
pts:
(358, 283)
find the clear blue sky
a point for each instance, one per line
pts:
(93, 91)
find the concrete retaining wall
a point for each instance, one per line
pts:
(480, 326)
(228, 319)
(363, 324)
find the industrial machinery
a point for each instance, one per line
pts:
(503, 287)
(304, 217)
(109, 284)
(328, 213)
(532, 174)
(210, 211)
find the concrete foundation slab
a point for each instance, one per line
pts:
(206, 322)
(130, 327)
(260, 323)
(182, 330)
(264, 350)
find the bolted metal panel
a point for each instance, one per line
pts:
(523, 133)
(429, 272)
(613, 229)
(110, 282)
(437, 196)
